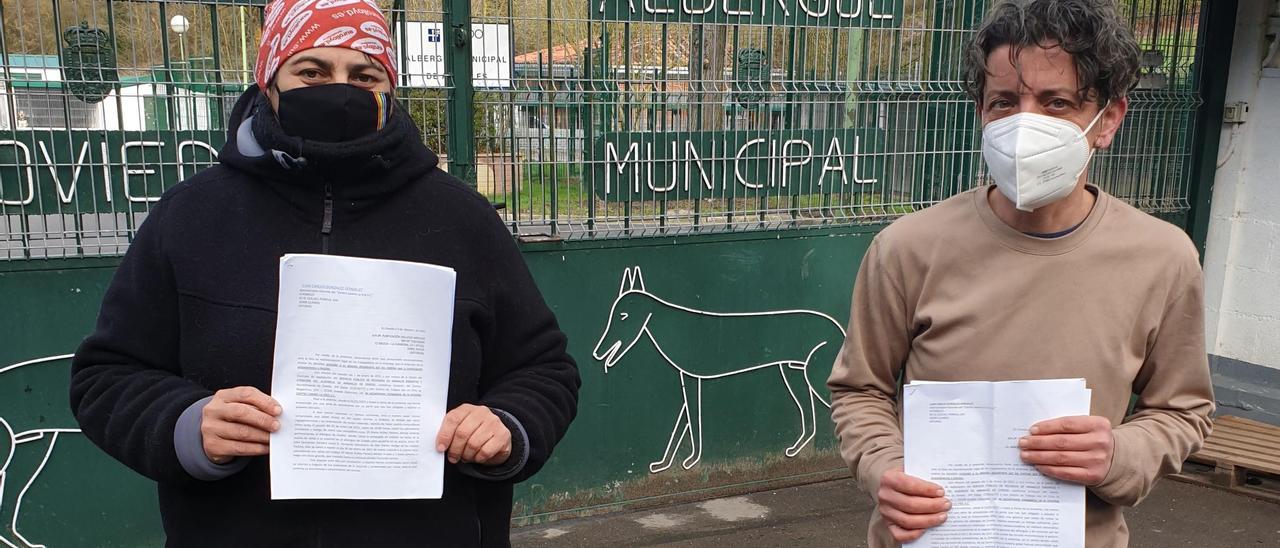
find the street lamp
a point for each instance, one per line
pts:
(180, 24)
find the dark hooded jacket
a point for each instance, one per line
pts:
(192, 309)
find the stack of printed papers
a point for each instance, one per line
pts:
(964, 437)
(362, 372)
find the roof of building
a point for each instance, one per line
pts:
(21, 60)
(568, 52)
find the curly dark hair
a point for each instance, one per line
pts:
(1099, 41)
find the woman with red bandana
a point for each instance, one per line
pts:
(320, 158)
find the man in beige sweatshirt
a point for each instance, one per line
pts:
(1039, 276)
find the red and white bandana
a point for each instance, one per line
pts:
(291, 26)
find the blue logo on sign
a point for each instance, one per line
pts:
(433, 35)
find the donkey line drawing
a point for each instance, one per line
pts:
(21, 438)
(801, 344)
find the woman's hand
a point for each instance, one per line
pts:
(238, 422)
(473, 433)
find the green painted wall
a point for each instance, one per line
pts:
(627, 415)
(82, 498)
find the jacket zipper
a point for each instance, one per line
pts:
(326, 225)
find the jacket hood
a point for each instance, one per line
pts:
(361, 170)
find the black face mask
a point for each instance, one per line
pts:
(332, 113)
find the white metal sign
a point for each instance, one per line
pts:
(424, 54)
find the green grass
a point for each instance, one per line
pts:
(534, 197)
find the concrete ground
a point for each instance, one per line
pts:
(835, 514)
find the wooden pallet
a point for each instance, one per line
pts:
(1241, 455)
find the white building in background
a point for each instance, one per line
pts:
(1242, 256)
(134, 108)
(139, 104)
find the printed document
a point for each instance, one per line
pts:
(362, 372)
(964, 437)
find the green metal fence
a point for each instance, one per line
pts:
(584, 118)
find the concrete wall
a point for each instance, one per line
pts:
(1242, 259)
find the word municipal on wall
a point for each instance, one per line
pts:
(96, 169)
(639, 166)
(806, 13)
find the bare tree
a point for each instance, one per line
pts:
(706, 75)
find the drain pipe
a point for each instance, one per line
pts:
(1273, 34)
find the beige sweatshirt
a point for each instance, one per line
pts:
(952, 293)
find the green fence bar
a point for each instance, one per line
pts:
(462, 152)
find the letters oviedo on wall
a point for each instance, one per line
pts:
(96, 170)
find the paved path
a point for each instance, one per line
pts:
(835, 514)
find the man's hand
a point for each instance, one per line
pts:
(238, 422)
(1074, 449)
(473, 433)
(910, 505)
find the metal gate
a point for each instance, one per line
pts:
(585, 118)
(766, 135)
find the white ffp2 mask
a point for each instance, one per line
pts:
(1036, 159)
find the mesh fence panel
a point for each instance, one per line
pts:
(591, 119)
